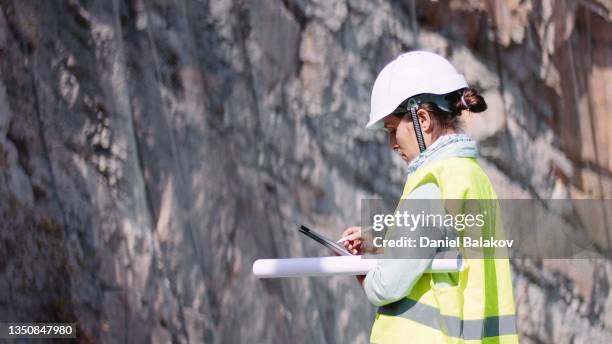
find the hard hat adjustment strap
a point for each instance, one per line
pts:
(417, 126)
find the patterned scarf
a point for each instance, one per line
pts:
(441, 142)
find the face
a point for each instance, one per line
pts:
(401, 136)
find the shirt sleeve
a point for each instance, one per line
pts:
(393, 279)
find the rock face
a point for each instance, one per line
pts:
(150, 151)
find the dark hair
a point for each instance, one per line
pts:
(474, 101)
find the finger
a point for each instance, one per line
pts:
(347, 231)
(352, 237)
(351, 230)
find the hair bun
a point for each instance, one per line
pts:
(472, 101)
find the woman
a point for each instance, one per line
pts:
(419, 98)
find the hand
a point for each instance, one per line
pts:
(354, 242)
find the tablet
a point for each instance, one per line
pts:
(324, 241)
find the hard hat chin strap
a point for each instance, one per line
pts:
(417, 127)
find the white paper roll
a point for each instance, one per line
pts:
(341, 265)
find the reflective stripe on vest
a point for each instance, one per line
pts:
(451, 326)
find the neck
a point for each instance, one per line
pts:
(438, 133)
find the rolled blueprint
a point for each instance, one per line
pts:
(449, 261)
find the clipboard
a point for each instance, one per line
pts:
(324, 241)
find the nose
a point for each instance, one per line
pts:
(393, 142)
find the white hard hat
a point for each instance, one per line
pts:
(410, 74)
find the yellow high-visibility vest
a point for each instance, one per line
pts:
(480, 307)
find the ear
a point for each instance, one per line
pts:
(427, 123)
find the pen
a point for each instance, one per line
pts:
(345, 238)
